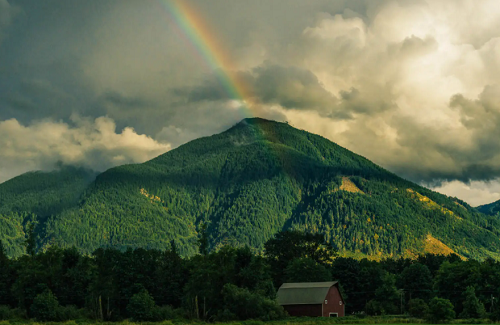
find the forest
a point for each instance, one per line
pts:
(245, 185)
(234, 283)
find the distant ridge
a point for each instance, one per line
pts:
(492, 209)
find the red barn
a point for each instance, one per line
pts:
(315, 299)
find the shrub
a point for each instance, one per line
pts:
(141, 306)
(5, 312)
(163, 313)
(8, 313)
(240, 303)
(66, 313)
(45, 306)
(418, 308)
(440, 310)
(373, 308)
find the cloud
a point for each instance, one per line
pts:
(291, 87)
(90, 143)
(477, 193)
(416, 95)
(271, 84)
(411, 85)
(7, 14)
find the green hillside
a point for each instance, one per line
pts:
(36, 196)
(258, 178)
(492, 209)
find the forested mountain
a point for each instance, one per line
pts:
(492, 209)
(253, 180)
(36, 196)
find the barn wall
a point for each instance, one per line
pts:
(334, 303)
(303, 310)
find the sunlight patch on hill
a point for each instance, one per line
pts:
(349, 186)
(435, 246)
(431, 204)
(151, 197)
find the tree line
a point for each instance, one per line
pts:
(236, 283)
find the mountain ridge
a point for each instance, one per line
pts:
(492, 209)
(260, 177)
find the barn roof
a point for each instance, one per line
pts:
(306, 293)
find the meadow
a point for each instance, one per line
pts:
(393, 320)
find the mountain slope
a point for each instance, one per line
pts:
(37, 196)
(492, 209)
(258, 178)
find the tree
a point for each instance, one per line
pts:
(172, 275)
(306, 270)
(440, 310)
(44, 307)
(240, 303)
(387, 294)
(347, 272)
(472, 307)
(416, 279)
(30, 242)
(289, 245)
(454, 277)
(203, 240)
(418, 308)
(141, 306)
(6, 277)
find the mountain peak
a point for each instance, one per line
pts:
(257, 121)
(246, 184)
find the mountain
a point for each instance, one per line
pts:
(253, 180)
(38, 196)
(492, 209)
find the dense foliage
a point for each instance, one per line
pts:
(233, 283)
(244, 185)
(33, 198)
(492, 209)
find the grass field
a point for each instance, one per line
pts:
(289, 321)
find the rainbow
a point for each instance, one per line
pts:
(204, 40)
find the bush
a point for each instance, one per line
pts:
(163, 313)
(45, 306)
(141, 306)
(373, 308)
(239, 303)
(5, 312)
(440, 310)
(418, 308)
(66, 313)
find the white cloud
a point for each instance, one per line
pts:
(474, 193)
(91, 143)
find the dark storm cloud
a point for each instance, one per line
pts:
(294, 88)
(289, 87)
(409, 84)
(125, 102)
(7, 14)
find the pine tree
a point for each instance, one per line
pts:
(473, 308)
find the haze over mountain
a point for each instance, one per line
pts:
(247, 183)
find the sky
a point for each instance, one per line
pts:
(412, 85)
